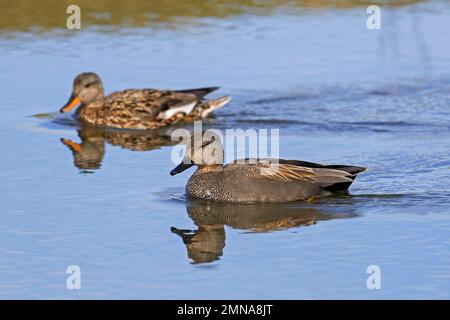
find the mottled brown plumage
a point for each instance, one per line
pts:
(137, 108)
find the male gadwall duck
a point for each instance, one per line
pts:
(137, 108)
(258, 180)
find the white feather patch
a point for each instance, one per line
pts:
(186, 109)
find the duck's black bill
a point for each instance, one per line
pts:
(72, 103)
(181, 167)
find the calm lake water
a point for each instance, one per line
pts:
(338, 93)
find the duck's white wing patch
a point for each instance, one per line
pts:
(186, 109)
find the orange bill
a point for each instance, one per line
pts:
(75, 147)
(72, 103)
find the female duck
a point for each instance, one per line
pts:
(258, 180)
(137, 108)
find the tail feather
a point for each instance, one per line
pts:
(213, 105)
(343, 186)
(353, 170)
(200, 92)
(337, 187)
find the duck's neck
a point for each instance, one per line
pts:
(99, 96)
(92, 105)
(210, 168)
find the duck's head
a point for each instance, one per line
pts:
(202, 149)
(87, 88)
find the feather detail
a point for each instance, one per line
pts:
(292, 173)
(185, 109)
(142, 108)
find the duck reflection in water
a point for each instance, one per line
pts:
(206, 243)
(89, 154)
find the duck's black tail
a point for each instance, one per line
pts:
(353, 170)
(343, 186)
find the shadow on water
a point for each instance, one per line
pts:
(89, 153)
(207, 242)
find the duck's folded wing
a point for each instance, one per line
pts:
(290, 173)
(176, 102)
(199, 92)
(152, 104)
(353, 170)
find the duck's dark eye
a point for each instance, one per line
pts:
(88, 85)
